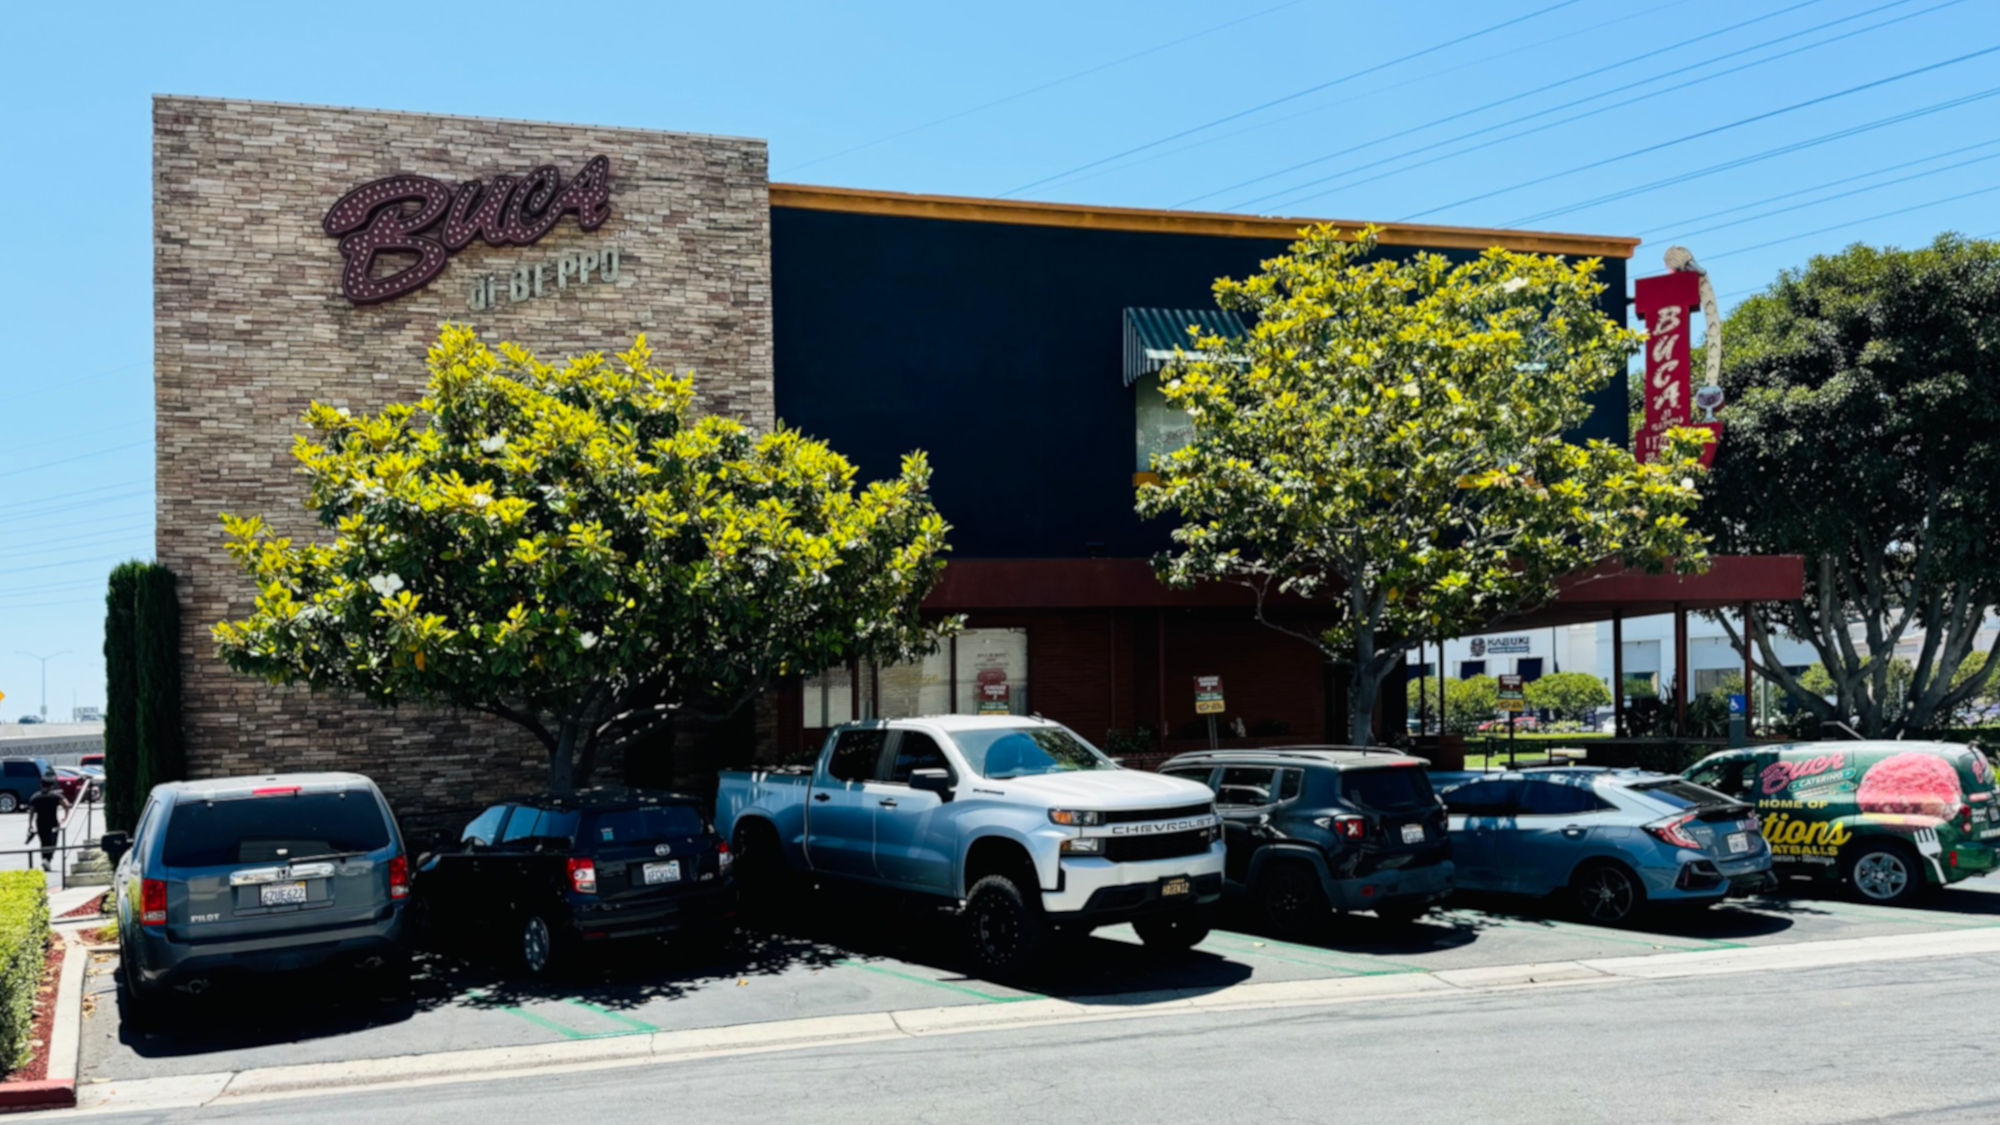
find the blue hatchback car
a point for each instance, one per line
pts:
(1611, 840)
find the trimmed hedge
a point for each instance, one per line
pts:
(24, 936)
(142, 683)
(121, 697)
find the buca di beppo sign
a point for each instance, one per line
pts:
(431, 219)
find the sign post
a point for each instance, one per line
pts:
(1739, 720)
(1208, 701)
(1512, 700)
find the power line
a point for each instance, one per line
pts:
(1051, 84)
(68, 383)
(1678, 223)
(7, 571)
(1427, 77)
(43, 546)
(1711, 131)
(45, 505)
(1829, 199)
(1489, 140)
(50, 587)
(1853, 223)
(1295, 95)
(1706, 36)
(69, 439)
(77, 457)
(1680, 178)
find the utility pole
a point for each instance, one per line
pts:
(45, 675)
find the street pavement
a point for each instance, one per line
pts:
(845, 955)
(85, 824)
(1893, 1041)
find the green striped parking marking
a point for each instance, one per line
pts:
(989, 997)
(546, 1023)
(1255, 947)
(613, 1015)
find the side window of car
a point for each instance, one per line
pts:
(21, 769)
(857, 754)
(916, 751)
(484, 827)
(525, 824)
(1482, 798)
(1553, 798)
(1290, 784)
(1246, 786)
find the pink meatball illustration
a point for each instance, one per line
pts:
(1911, 783)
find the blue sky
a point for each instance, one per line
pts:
(1783, 129)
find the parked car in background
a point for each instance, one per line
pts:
(246, 875)
(1314, 830)
(92, 761)
(549, 875)
(1890, 820)
(76, 784)
(1609, 841)
(1519, 722)
(20, 779)
(1019, 822)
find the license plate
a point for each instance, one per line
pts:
(281, 894)
(1413, 833)
(1175, 887)
(1738, 843)
(668, 872)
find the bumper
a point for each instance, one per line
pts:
(1101, 891)
(1397, 885)
(707, 908)
(1703, 879)
(161, 960)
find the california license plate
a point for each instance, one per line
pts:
(1174, 887)
(1738, 843)
(668, 872)
(1413, 833)
(281, 894)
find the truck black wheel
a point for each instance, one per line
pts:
(1173, 932)
(1004, 930)
(1294, 902)
(1886, 873)
(8, 802)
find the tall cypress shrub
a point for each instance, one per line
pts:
(121, 697)
(157, 630)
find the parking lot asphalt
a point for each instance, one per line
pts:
(18, 851)
(844, 954)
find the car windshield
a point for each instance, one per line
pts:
(643, 824)
(273, 829)
(1393, 788)
(1683, 794)
(1025, 751)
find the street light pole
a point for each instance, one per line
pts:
(45, 675)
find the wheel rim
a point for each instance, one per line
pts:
(1607, 895)
(998, 932)
(1881, 875)
(6, 802)
(535, 945)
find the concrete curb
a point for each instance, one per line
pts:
(482, 1064)
(58, 1090)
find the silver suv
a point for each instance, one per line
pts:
(258, 874)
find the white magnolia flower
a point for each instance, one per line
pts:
(1687, 482)
(588, 640)
(494, 444)
(385, 584)
(480, 499)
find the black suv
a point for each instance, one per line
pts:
(548, 874)
(1316, 829)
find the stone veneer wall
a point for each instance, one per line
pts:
(249, 325)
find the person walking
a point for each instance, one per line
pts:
(49, 809)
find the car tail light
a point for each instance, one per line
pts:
(1351, 827)
(583, 876)
(1673, 832)
(152, 902)
(275, 791)
(723, 857)
(399, 876)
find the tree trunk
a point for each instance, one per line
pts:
(1363, 685)
(562, 759)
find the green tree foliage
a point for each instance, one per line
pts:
(1568, 695)
(1864, 396)
(570, 548)
(1470, 702)
(1389, 445)
(142, 683)
(121, 697)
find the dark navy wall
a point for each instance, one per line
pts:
(996, 349)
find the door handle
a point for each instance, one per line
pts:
(1573, 831)
(887, 802)
(822, 796)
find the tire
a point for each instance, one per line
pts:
(541, 947)
(1607, 893)
(1292, 898)
(1886, 873)
(419, 927)
(1005, 930)
(765, 886)
(1176, 934)
(1403, 913)
(9, 802)
(139, 1006)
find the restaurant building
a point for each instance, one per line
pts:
(310, 253)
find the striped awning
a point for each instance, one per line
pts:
(1151, 335)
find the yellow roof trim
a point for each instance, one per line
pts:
(977, 210)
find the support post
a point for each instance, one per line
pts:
(1618, 673)
(1680, 670)
(1160, 671)
(1749, 672)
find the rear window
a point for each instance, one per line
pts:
(1683, 794)
(1389, 789)
(274, 829)
(649, 822)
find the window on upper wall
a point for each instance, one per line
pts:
(1162, 428)
(1529, 668)
(1470, 668)
(991, 677)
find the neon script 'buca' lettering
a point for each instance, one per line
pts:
(431, 219)
(1778, 776)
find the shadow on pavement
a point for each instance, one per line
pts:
(1724, 921)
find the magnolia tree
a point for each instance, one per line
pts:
(1388, 447)
(571, 549)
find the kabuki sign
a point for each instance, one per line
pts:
(406, 214)
(1667, 302)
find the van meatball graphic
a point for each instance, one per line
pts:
(1911, 783)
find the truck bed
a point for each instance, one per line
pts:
(779, 794)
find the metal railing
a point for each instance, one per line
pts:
(71, 837)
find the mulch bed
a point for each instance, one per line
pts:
(89, 909)
(37, 1066)
(102, 935)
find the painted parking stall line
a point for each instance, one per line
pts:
(949, 986)
(548, 1023)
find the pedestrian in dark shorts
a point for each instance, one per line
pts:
(50, 809)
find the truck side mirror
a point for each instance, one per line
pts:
(115, 844)
(932, 781)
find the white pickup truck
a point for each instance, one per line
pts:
(1019, 820)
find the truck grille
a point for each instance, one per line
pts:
(1127, 816)
(1127, 849)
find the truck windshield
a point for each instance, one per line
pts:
(1024, 751)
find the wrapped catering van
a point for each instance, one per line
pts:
(1891, 820)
